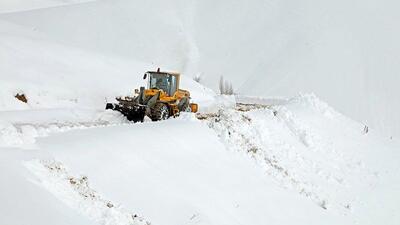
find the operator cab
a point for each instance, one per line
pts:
(168, 82)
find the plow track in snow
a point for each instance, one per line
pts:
(276, 140)
(236, 130)
(76, 192)
(23, 135)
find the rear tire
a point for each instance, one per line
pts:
(160, 112)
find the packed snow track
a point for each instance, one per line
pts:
(266, 160)
(236, 165)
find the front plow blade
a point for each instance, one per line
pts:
(132, 111)
(136, 113)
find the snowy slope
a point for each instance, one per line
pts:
(305, 165)
(119, 27)
(24, 202)
(65, 160)
(8, 6)
(306, 146)
(63, 76)
(344, 51)
(205, 185)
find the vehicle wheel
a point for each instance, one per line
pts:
(160, 112)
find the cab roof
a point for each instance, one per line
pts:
(166, 73)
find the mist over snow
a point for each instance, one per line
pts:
(311, 136)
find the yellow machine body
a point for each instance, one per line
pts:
(172, 96)
(160, 100)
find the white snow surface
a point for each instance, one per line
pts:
(10, 6)
(66, 77)
(297, 163)
(345, 51)
(65, 160)
(308, 147)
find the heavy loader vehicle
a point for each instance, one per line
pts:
(160, 100)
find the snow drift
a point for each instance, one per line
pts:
(344, 51)
(64, 160)
(306, 146)
(301, 156)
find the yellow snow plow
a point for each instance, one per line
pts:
(160, 100)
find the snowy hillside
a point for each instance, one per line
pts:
(8, 6)
(245, 160)
(344, 51)
(296, 163)
(62, 76)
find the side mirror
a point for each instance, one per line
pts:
(145, 76)
(136, 91)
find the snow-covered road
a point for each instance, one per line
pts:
(297, 163)
(170, 172)
(65, 160)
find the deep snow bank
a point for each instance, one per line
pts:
(308, 147)
(24, 201)
(184, 178)
(344, 51)
(308, 157)
(318, 166)
(302, 156)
